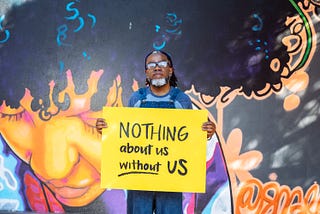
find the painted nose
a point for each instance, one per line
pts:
(55, 156)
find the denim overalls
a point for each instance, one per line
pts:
(148, 202)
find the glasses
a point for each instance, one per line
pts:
(161, 64)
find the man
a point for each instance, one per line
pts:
(161, 92)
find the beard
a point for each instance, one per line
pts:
(159, 82)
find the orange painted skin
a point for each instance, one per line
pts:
(65, 151)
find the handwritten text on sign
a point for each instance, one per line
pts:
(154, 149)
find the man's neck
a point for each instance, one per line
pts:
(160, 91)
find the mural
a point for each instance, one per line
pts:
(252, 64)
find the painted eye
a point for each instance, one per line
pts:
(13, 117)
(12, 114)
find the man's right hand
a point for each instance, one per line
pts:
(101, 124)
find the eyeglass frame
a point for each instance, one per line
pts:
(158, 64)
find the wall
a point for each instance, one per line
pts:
(252, 64)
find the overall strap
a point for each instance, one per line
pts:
(143, 93)
(174, 94)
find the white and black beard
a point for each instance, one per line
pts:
(159, 82)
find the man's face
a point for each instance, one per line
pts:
(158, 69)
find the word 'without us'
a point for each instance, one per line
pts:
(139, 167)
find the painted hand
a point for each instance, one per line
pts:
(209, 127)
(101, 124)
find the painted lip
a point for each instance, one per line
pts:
(70, 192)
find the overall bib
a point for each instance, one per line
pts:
(148, 202)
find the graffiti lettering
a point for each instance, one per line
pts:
(61, 66)
(259, 26)
(62, 30)
(70, 9)
(173, 22)
(85, 55)
(94, 20)
(260, 46)
(173, 29)
(157, 28)
(273, 198)
(6, 32)
(62, 34)
(9, 181)
(81, 24)
(76, 15)
(160, 46)
(7, 176)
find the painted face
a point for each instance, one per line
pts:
(158, 67)
(65, 151)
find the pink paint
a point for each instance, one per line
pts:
(28, 154)
(28, 118)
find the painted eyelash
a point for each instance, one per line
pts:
(89, 128)
(14, 117)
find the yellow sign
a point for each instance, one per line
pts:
(154, 149)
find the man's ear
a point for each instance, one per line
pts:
(171, 72)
